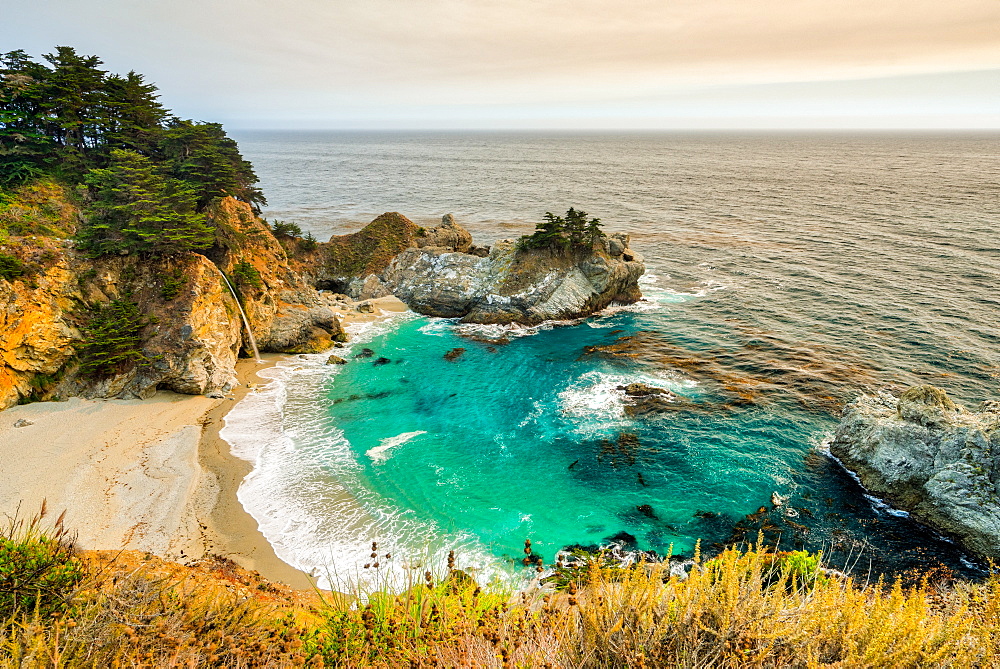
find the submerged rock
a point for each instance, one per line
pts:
(454, 354)
(931, 457)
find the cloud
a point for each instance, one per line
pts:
(331, 62)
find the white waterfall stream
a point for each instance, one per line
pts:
(246, 323)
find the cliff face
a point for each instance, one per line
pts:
(286, 313)
(195, 332)
(517, 286)
(930, 457)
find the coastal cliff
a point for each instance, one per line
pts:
(189, 330)
(439, 272)
(931, 457)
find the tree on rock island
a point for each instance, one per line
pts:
(563, 232)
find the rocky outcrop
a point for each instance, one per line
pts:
(194, 333)
(513, 285)
(340, 263)
(931, 457)
(449, 235)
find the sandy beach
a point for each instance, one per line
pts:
(150, 475)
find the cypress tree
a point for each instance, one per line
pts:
(134, 209)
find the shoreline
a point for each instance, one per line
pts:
(150, 475)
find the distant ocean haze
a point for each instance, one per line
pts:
(786, 273)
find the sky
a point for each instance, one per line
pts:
(543, 64)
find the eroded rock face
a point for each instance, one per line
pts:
(516, 286)
(931, 457)
(196, 332)
(449, 235)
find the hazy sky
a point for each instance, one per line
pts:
(543, 63)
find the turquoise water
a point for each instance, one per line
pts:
(786, 275)
(505, 441)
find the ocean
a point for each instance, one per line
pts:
(786, 273)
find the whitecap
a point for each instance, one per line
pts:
(380, 453)
(595, 401)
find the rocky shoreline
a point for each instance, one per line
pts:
(928, 456)
(292, 292)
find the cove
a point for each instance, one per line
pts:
(500, 435)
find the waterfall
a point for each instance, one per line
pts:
(253, 342)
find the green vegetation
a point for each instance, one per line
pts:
(371, 249)
(39, 570)
(134, 209)
(246, 275)
(563, 232)
(283, 229)
(742, 608)
(146, 176)
(42, 208)
(111, 341)
(64, 117)
(308, 242)
(172, 284)
(10, 267)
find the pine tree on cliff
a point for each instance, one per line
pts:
(65, 118)
(134, 209)
(202, 154)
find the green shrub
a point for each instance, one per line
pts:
(10, 267)
(172, 284)
(282, 229)
(111, 341)
(133, 208)
(558, 232)
(309, 242)
(38, 567)
(246, 275)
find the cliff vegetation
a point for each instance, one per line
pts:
(119, 223)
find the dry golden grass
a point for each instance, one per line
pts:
(743, 608)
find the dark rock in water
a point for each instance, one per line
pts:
(381, 361)
(365, 353)
(641, 480)
(379, 396)
(644, 399)
(642, 390)
(705, 515)
(573, 464)
(454, 354)
(931, 457)
(335, 360)
(646, 510)
(621, 451)
(624, 539)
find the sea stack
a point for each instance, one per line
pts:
(438, 272)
